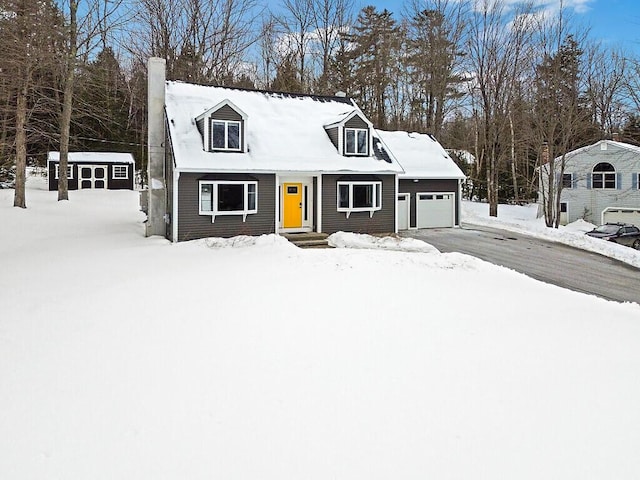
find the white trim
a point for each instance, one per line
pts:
(319, 203)
(308, 198)
(377, 197)
(276, 216)
(226, 124)
(174, 216)
(453, 210)
(93, 178)
(407, 197)
(214, 198)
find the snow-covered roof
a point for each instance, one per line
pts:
(90, 157)
(284, 132)
(420, 155)
(626, 146)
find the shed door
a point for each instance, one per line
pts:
(403, 211)
(435, 210)
(92, 176)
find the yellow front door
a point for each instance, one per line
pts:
(292, 205)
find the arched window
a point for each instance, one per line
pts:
(604, 176)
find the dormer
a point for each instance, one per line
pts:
(223, 128)
(351, 134)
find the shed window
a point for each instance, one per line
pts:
(225, 135)
(69, 171)
(228, 198)
(120, 172)
(604, 176)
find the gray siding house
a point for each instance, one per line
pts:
(599, 183)
(226, 162)
(430, 186)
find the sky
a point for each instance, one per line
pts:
(129, 357)
(612, 21)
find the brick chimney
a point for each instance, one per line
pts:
(615, 136)
(157, 190)
(545, 153)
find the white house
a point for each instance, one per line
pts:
(599, 183)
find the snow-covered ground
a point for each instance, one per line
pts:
(124, 357)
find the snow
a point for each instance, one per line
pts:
(284, 133)
(89, 157)
(130, 357)
(420, 155)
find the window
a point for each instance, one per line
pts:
(567, 180)
(120, 172)
(604, 176)
(225, 135)
(359, 197)
(69, 171)
(356, 141)
(228, 198)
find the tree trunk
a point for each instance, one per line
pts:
(514, 176)
(67, 102)
(21, 147)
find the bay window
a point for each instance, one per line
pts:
(359, 197)
(228, 197)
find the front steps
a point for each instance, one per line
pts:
(308, 240)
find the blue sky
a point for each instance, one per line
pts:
(612, 21)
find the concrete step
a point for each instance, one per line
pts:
(308, 239)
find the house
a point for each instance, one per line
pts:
(599, 183)
(250, 162)
(430, 186)
(229, 161)
(110, 170)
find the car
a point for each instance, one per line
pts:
(622, 233)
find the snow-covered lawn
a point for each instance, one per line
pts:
(124, 357)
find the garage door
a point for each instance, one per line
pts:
(403, 211)
(435, 210)
(621, 215)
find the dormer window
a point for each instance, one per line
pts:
(356, 141)
(225, 135)
(223, 128)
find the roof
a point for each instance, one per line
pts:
(285, 132)
(420, 155)
(625, 146)
(90, 157)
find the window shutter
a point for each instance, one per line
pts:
(558, 179)
(619, 181)
(574, 180)
(589, 176)
(634, 181)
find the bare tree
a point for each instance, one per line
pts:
(498, 45)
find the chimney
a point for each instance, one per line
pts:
(545, 153)
(615, 136)
(156, 210)
(340, 94)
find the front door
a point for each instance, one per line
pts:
(292, 205)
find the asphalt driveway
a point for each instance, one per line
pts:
(554, 263)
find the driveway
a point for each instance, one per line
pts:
(554, 263)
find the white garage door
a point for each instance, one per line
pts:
(621, 215)
(403, 211)
(435, 210)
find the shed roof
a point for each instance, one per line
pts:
(90, 157)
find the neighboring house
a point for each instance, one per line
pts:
(110, 170)
(429, 189)
(599, 183)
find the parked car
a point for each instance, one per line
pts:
(621, 233)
